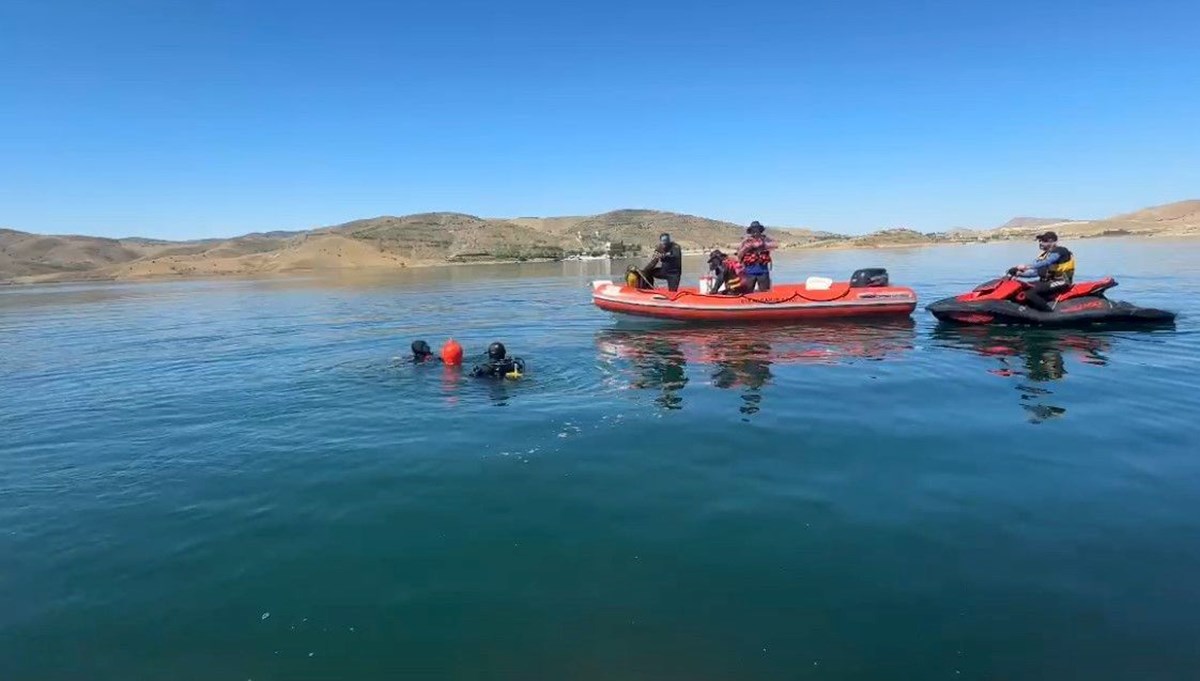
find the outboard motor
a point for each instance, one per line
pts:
(869, 278)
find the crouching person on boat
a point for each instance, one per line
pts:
(667, 263)
(755, 256)
(499, 365)
(727, 273)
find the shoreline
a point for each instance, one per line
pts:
(441, 239)
(65, 278)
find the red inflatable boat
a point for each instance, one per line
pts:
(866, 294)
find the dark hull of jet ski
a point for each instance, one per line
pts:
(1003, 301)
(1084, 311)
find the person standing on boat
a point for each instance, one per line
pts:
(755, 254)
(1054, 268)
(667, 263)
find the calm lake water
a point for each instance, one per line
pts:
(235, 480)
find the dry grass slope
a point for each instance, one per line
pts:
(23, 254)
(440, 238)
(1180, 212)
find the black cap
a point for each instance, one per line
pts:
(420, 348)
(716, 255)
(496, 350)
(755, 226)
(1047, 236)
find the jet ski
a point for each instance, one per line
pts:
(1002, 301)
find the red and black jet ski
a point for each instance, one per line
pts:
(1002, 301)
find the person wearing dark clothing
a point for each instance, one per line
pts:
(667, 263)
(1054, 269)
(421, 352)
(755, 255)
(499, 364)
(727, 277)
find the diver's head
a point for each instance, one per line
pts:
(716, 257)
(664, 239)
(496, 351)
(421, 349)
(1047, 240)
(755, 228)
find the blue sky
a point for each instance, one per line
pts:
(209, 118)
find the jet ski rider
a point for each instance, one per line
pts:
(1054, 268)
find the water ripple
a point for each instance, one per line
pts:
(179, 458)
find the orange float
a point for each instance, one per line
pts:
(452, 353)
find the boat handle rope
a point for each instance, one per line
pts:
(762, 301)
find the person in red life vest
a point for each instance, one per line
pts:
(755, 256)
(727, 273)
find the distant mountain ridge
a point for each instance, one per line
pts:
(443, 238)
(1022, 223)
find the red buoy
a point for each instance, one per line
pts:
(452, 353)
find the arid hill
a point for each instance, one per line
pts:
(1032, 223)
(444, 238)
(25, 255)
(1174, 219)
(1180, 212)
(450, 237)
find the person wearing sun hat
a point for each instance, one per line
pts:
(755, 255)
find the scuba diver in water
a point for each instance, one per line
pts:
(727, 273)
(499, 364)
(667, 263)
(422, 353)
(1054, 268)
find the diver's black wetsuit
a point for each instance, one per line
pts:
(498, 368)
(666, 264)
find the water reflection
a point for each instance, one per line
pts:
(745, 365)
(659, 363)
(1038, 356)
(741, 358)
